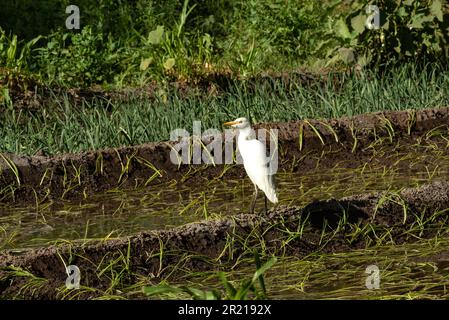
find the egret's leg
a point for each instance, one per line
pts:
(266, 210)
(253, 203)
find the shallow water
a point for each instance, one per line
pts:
(409, 271)
(118, 212)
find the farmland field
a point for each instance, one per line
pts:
(90, 119)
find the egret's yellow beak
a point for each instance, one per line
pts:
(230, 123)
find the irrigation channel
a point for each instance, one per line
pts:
(371, 190)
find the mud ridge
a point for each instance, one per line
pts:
(196, 246)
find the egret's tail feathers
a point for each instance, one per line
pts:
(271, 195)
(270, 189)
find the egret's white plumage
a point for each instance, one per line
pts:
(255, 160)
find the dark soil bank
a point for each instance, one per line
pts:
(39, 178)
(157, 253)
(211, 84)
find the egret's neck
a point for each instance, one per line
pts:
(244, 133)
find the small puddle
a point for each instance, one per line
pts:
(119, 213)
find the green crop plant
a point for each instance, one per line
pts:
(31, 282)
(12, 166)
(148, 164)
(315, 130)
(301, 135)
(411, 121)
(124, 165)
(247, 289)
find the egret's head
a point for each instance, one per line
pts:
(239, 123)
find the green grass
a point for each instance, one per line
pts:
(64, 127)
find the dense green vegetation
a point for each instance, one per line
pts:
(123, 43)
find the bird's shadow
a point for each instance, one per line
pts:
(331, 212)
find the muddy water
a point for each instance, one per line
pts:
(408, 271)
(118, 213)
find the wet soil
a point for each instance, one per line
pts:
(200, 245)
(302, 145)
(212, 244)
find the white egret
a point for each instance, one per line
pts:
(255, 161)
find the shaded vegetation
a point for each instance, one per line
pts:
(134, 43)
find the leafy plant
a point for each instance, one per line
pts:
(78, 59)
(15, 62)
(408, 30)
